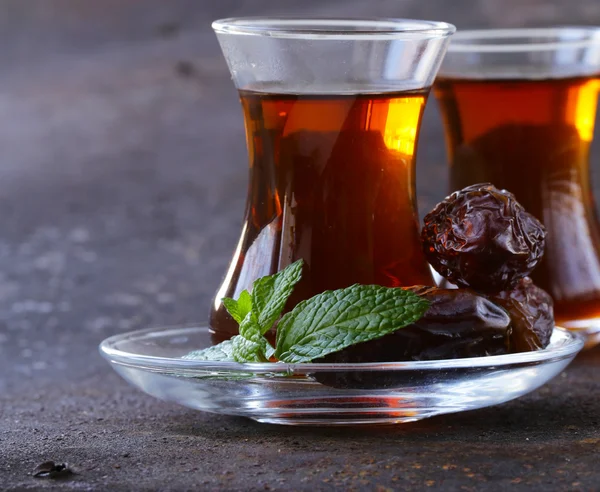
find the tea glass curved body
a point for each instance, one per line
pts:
(332, 111)
(519, 108)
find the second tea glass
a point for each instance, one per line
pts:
(519, 107)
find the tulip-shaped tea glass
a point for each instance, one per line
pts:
(332, 110)
(519, 107)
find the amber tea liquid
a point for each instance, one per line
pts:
(331, 182)
(532, 137)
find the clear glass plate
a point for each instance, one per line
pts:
(328, 394)
(587, 329)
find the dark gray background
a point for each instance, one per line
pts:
(122, 185)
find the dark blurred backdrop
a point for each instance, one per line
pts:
(123, 165)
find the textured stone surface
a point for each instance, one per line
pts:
(122, 182)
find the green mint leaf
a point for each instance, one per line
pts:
(334, 320)
(240, 308)
(249, 327)
(238, 349)
(270, 293)
(223, 352)
(250, 345)
(246, 350)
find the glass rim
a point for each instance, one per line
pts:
(499, 40)
(333, 28)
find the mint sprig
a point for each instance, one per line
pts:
(325, 323)
(256, 314)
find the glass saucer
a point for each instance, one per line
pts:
(328, 394)
(587, 329)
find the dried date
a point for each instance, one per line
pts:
(532, 315)
(481, 237)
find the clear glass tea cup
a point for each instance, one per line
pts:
(332, 110)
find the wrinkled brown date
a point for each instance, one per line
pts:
(459, 323)
(532, 315)
(481, 237)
